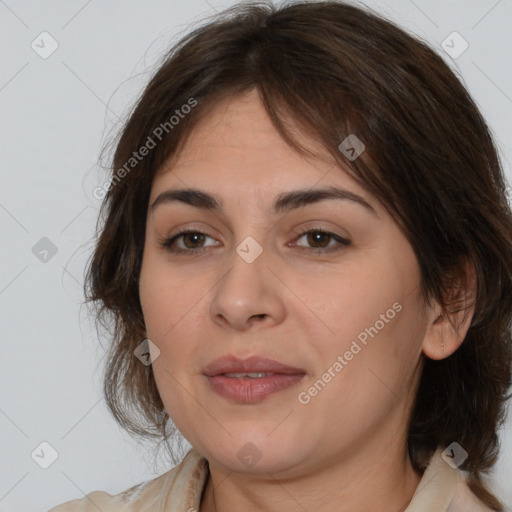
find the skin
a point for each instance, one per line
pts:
(345, 450)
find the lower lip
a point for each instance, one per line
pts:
(248, 390)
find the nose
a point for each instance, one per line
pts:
(248, 294)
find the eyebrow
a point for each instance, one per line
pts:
(284, 202)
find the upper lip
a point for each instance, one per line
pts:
(231, 364)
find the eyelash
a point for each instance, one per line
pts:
(167, 243)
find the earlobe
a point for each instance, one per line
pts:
(442, 338)
(447, 330)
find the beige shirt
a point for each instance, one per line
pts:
(441, 489)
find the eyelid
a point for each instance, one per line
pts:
(341, 242)
(167, 241)
(319, 225)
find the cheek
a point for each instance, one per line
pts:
(166, 316)
(350, 301)
(370, 311)
(173, 315)
(166, 300)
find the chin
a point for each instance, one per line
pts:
(257, 456)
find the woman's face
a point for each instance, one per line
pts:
(247, 283)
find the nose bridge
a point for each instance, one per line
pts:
(247, 289)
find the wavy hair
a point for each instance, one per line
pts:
(430, 159)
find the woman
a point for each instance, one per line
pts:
(306, 258)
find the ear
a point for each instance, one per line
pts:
(446, 331)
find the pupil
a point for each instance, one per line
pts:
(317, 237)
(192, 235)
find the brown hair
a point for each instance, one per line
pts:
(430, 159)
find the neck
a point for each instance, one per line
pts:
(358, 485)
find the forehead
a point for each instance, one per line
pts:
(236, 142)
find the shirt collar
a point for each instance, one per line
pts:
(433, 494)
(436, 488)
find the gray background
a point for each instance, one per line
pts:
(55, 113)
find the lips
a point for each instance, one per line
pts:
(228, 377)
(254, 364)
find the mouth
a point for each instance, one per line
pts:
(250, 380)
(253, 367)
(252, 375)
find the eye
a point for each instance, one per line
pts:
(189, 241)
(188, 238)
(320, 239)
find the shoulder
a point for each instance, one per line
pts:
(178, 485)
(464, 500)
(444, 488)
